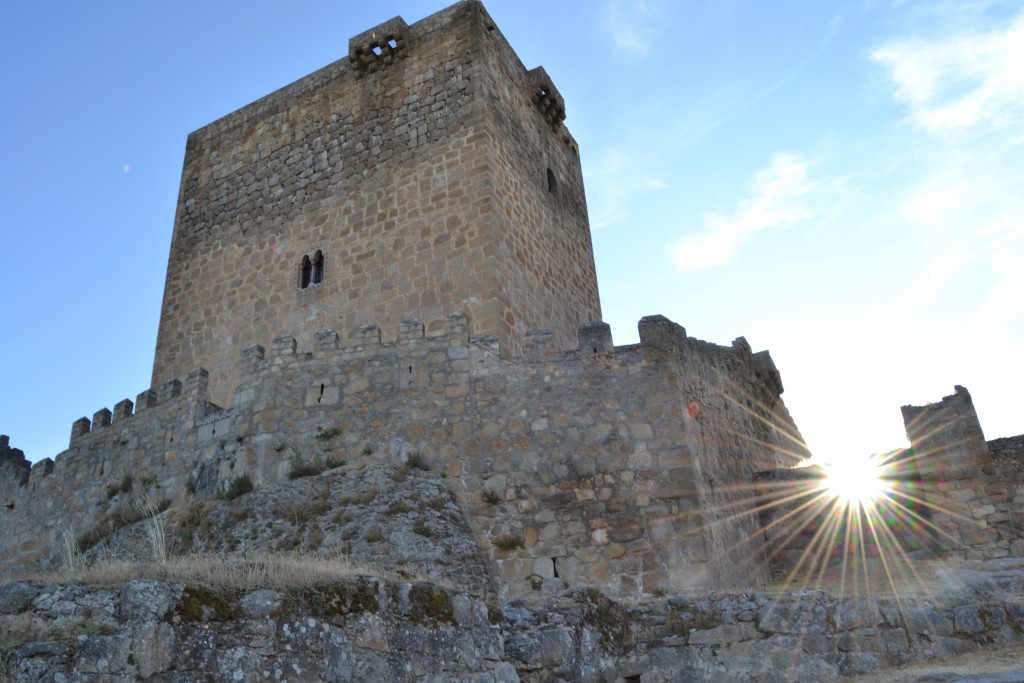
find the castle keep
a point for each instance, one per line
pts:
(391, 258)
(425, 174)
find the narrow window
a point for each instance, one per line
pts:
(552, 182)
(318, 267)
(307, 272)
(392, 43)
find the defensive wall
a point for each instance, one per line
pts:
(951, 492)
(973, 488)
(426, 173)
(623, 468)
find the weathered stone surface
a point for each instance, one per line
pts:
(146, 601)
(262, 603)
(16, 597)
(723, 635)
(854, 614)
(805, 616)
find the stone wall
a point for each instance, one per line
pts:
(370, 629)
(426, 178)
(976, 499)
(952, 492)
(1009, 448)
(625, 468)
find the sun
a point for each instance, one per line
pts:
(855, 483)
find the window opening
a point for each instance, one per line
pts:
(554, 566)
(307, 272)
(392, 43)
(318, 267)
(552, 181)
(377, 50)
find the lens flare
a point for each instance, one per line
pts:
(855, 484)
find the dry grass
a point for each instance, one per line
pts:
(263, 571)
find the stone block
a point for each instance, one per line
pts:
(725, 634)
(857, 614)
(326, 340)
(967, 619)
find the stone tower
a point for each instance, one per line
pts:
(426, 173)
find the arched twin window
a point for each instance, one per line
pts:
(312, 272)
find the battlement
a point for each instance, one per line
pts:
(188, 400)
(618, 439)
(192, 392)
(14, 466)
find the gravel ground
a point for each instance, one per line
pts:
(987, 666)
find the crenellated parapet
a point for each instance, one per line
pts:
(192, 394)
(14, 466)
(609, 462)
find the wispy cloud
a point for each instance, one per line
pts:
(969, 224)
(615, 183)
(961, 82)
(778, 198)
(965, 204)
(633, 24)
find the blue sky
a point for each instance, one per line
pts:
(839, 182)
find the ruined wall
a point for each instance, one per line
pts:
(976, 498)
(1010, 447)
(616, 467)
(951, 492)
(389, 166)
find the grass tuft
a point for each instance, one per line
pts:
(509, 542)
(240, 485)
(415, 461)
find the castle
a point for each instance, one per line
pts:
(395, 251)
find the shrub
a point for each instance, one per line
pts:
(398, 508)
(327, 434)
(310, 468)
(422, 529)
(124, 486)
(491, 497)
(415, 461)
(240, 485)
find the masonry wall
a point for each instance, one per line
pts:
(390, 167)
(615, 466)
(951, 492)
(542, 246)
(976, 497)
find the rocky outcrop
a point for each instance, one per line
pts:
(369, 628)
